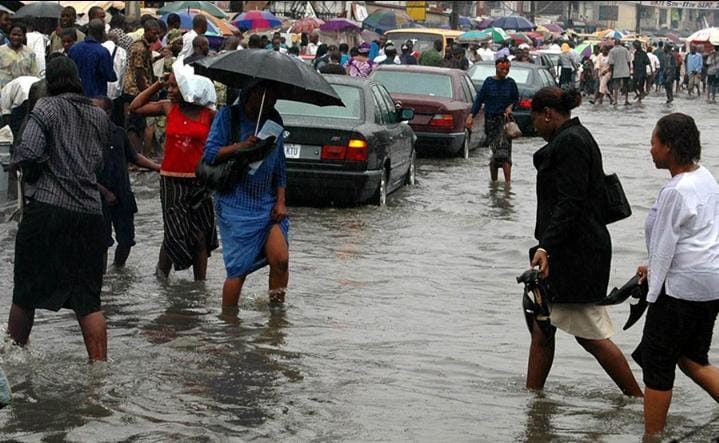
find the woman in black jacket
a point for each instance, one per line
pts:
(575, 250)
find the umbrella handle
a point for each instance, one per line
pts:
(259, 117)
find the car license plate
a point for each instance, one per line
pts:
(292, 150)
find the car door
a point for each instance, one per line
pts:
(477, 123)
(392, 135)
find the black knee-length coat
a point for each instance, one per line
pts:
(570, 215)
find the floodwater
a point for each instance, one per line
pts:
(403, 323)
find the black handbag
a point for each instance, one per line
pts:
(222, 177)
(616, 204)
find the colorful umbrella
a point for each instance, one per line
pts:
(215, 26)
(514, 22)
(201, 5)
(340, 25)
(554, 27)
(585, 49)
(486, 23)
(257, 20)
(611, 33)
(710, 35)
(520, 37)
(496, 34)
(535, 35)
(383, 20)
(307, 24)
(475, 36)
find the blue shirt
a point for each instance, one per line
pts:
(495, 95)
(94, 63)
(694, 62)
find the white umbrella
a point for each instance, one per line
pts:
(710, 35)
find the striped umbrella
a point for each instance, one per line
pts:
(257, 20)
(497, 34)
(307, 24)
(611, 33)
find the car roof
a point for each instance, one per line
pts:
(418, 68)
(337, 79)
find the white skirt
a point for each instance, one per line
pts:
(582, 320)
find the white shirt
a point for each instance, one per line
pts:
(114, 89)
(485, 54)
(654, 63)
(38, 42)
(682, 235)
(15, 93)
(187, 44)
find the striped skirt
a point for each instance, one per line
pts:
(187, 216)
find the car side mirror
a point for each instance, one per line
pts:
(406, 114)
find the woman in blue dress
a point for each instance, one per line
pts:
(252, 217)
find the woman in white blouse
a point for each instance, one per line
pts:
(682, 235)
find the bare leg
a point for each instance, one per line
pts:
(199, 261)
(705, 376)
(277, 253)
(231, 292)
(612, 360)
(507, 170)
(656, 407)
(163, 264)
(94, 332)
(541, 356)
(20, 324)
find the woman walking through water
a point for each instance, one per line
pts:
(187, 214)
(682, 236)
(575, 250)
(252, 216)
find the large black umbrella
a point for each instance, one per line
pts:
(297, 80)
(40, 10)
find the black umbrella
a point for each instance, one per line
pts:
(40, 10)
(297, 80)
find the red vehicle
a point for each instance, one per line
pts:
(442, 99)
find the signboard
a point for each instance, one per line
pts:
(609, 13)
(684, 5)
(417, 10)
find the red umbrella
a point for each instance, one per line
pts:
(307, 24)
(673, 37)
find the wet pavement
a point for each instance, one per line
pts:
(402, 323)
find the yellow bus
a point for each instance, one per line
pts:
(423, 38)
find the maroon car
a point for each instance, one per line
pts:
(442, 99)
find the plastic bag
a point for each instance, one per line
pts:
(511, 129)
(194, 88)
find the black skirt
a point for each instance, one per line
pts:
(59, 258)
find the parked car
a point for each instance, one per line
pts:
(442, 99)
(348, 155)
(423, 38)
(529, 77)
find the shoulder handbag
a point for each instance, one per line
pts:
(616, 204)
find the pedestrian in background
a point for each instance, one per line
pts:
(620, 66)
(93, 61)
(59, 246)
(67, 25)
(16, 59)
(682, 238)
(669, 72)
(712, 64)
(575, 251)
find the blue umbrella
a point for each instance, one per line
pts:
(186, 22)
(514, 22)
(383, 20)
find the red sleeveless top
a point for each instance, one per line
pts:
(184, 142)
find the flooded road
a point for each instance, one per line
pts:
(403, 323)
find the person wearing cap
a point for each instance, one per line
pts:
(406, 58)
(360, 65)
(498, 95)
(389, 57)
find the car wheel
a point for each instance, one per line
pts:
(465, 145)
(380, 197)
(412, 172)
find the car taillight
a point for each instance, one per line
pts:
(442, 120)
(357, 150)
(525, 103)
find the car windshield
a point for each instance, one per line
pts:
(420, 83)
(351, 96)
(421, 42)
(518, 74)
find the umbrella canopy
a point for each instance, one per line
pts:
(466, 23)
(475, 36)
(515, 22)
(585, 49)
(383, 20)
(341, 25)
(297, 80)
(486, 23)
(307, 24)
(672, 37)
(40, 10)
(710, 35)
(201, 5)
(215, 26)
(257, 20)
(554, 27)
(611, 33)
(520, 37)
(496, 34)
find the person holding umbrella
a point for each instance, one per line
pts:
(253, 216)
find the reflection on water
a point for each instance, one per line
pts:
(403, 323)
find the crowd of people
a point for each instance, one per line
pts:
(86, 103)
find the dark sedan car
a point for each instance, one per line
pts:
(442, 99)
(529, 77)
(347, 155)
